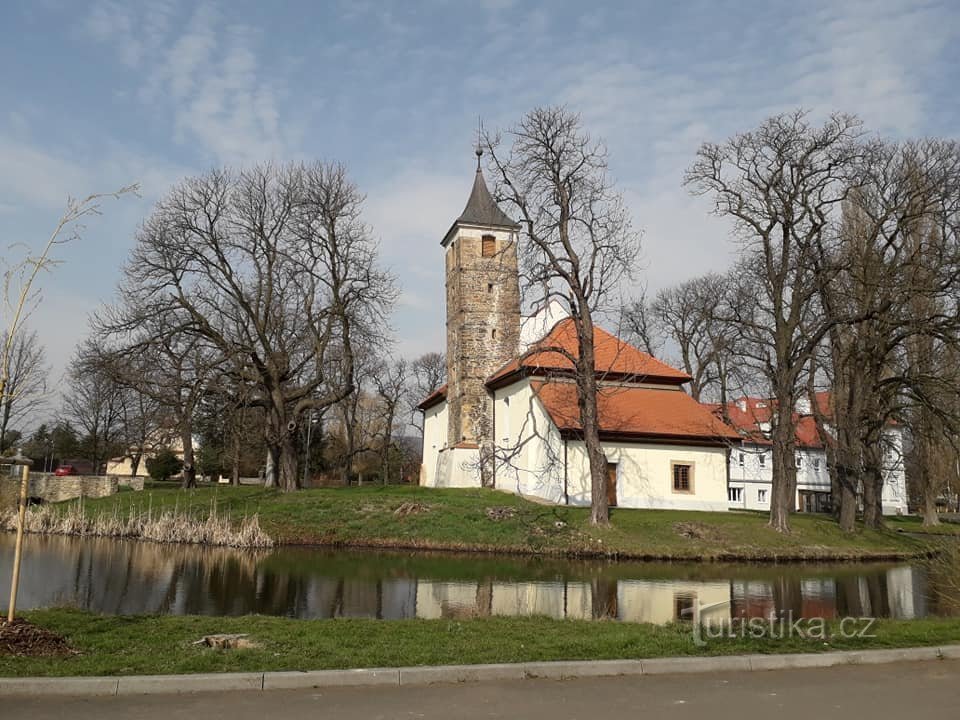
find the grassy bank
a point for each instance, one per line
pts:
(491, 521)
(150, 645)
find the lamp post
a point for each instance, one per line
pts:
(25, 463)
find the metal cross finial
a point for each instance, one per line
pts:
(479, 151)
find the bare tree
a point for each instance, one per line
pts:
(781, 184)
(427, 374)
(94, 403)
(577, 244)
(897, 273)
(391, 384)
(686, 316)
(274, 268)
(25, 390)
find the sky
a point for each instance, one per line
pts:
(95, 96)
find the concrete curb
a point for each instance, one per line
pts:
(429, 675)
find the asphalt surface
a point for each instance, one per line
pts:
(880, 692)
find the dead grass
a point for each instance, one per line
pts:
(164, 526)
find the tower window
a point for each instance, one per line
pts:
(489, 287)
(493, 333)
(488, 245)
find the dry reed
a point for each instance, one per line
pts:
(167, 526)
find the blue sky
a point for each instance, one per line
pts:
(97, 95)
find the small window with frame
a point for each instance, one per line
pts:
(682, 477)
(488, 246)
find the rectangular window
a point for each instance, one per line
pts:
(799, 461)
(682, 477)
(735, 494)
(742, 458)
(762, 457)
(761, 496)
(488, 245)
(816, 464)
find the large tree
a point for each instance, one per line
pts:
(897, 273)
(577, 244)
(274, 268)
(781, 186)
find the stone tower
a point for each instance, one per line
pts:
(483, 318)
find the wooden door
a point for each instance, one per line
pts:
(612, 484)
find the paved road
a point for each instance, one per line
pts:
(881, 692)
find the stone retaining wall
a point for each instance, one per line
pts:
(50, 488)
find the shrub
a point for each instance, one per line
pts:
(165, 464)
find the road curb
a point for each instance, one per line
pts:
(448, 674)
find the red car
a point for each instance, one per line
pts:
(65, 470)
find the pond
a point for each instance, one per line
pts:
(130, 577)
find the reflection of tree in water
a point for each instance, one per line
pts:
(603, 597)
(788, 596)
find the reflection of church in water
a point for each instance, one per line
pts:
(140, 578)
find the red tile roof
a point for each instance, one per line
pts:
(636, 412)
(747, 414)
(615, 359)
(437, 396)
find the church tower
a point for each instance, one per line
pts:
(483, 318)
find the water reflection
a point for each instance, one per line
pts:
(118, 577)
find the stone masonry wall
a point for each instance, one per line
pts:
(483, 328)
(51, 488)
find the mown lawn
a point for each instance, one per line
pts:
(111, 645)
(414, 517)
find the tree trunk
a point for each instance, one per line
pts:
(235, 470)
(288, 479)
(847, 499)
(872, 486)
(271, 465)
(784, 491)
(930, 516)
(189, 471)
(589, 418)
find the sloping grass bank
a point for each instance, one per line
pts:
(111, 645)
(490, 521)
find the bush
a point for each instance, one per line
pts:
(165, 464)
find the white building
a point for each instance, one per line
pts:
(509, 418)
(751, 466)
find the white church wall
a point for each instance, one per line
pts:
(434, 439)
(529, 448)
(645, 475)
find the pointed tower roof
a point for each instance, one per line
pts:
(481, 209)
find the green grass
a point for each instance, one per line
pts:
(111, 645)
(457, 520)
(914, 524)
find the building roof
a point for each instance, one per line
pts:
(434, 398)
(615, 359)
(631, 412)
(747, 414)
(482, 209)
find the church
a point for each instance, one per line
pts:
(508, 416)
